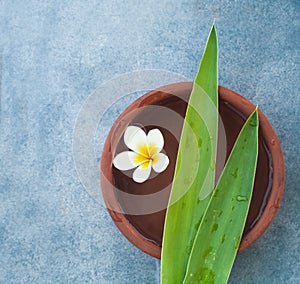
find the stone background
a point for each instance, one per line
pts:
(54, 54)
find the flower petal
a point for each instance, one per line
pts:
(156, 139)
(126, 161)
(142, 173)
(134, 137)
(160, 162)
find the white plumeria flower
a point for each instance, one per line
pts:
(145, 153)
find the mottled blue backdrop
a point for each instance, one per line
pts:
(54, 54)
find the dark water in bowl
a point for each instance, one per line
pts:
(166, 115)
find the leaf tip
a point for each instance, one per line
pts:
(253, 118)
(214, 24)
(213, 31)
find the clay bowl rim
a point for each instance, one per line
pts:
(238, 102)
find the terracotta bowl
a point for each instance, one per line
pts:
(126, 201)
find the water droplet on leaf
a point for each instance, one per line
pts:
(234, 173)
(241, 198)
(253, 123)
(214, 227)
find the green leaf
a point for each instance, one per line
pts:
(195, 168)
(221, 229)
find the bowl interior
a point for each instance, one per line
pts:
(143, 206)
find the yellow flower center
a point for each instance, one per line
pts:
(146, 154)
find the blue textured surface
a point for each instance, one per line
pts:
(54, 54)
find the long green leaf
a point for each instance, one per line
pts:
(221, 229)
(195, 168)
